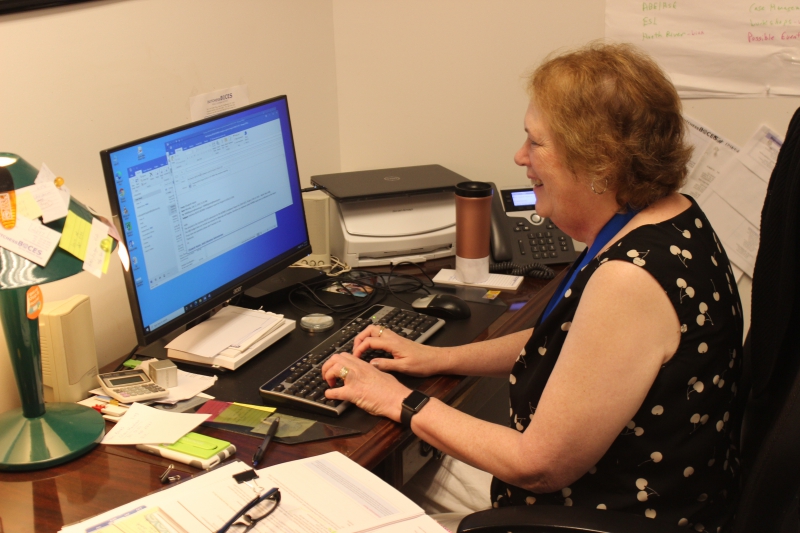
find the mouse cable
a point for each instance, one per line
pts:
(532, 270)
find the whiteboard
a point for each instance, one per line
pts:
(728, 49)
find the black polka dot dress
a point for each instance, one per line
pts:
(675, 460)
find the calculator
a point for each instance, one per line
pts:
(130, 386)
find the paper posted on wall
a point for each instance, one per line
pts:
(711, 153)
(734, 202)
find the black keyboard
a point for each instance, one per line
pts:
(300, 386)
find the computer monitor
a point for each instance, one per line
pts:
(206, 210)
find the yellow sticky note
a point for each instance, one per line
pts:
(75, 236)
(259, 407)
(106, 245)
(27, 206)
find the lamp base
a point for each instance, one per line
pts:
(65, 432)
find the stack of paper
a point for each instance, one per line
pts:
(325, 493)
(230, 338)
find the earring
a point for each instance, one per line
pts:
(605, 187)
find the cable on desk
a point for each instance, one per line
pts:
(380, 283)
(532, 270)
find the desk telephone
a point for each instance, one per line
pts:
(521, 238)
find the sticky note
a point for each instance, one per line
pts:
(106, 245)
(75, 236)
(27, 206)
(95, 255)
(49, 200)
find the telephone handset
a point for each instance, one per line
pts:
(522, 241)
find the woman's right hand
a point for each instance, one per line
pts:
(408, 357)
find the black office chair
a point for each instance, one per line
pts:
(770, 433)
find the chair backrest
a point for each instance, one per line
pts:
(771, 428)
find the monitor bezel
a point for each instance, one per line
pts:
(235, 287)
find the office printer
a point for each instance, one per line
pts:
(391, 215)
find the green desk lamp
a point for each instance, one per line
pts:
(33, 437)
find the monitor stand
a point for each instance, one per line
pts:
(277, 287)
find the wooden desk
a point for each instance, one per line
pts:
(109, 476)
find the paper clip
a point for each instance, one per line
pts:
(166, 478)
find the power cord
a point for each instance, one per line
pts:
(532, 270)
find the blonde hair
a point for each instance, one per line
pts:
(615, 115)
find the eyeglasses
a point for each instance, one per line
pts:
(256, 510)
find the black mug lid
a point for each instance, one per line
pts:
(473, 189)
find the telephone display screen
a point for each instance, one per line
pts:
(525, 198)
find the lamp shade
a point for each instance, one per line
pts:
(16, 271)
(36, 437)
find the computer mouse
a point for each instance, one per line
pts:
(442, 306)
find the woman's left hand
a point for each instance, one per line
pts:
(364, 385)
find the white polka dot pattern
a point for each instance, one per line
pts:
(673, 461)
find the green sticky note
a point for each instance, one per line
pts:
(241, 416)
(198, 445)
(75, 235)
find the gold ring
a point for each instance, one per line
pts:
(343, 372)
(380, 331)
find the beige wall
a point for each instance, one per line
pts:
(76, 80)
(371, 84)
(441, 81)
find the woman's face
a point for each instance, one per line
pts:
(560, 194)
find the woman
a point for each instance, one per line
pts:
(621, 394)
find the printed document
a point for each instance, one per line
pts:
(328, 493)
(734, 202)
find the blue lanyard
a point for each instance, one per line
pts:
(611, 228)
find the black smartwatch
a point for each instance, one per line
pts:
(412, 405)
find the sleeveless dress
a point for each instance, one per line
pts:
(676, 460)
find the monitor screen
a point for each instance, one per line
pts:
(206, 210)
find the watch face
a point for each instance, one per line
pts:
(415, 400)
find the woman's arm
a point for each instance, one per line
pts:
(624, 330)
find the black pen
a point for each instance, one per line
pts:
(268, 437)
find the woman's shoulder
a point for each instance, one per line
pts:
(677, 221)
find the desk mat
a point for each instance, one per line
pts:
(242, 384)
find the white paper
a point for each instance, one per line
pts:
(761, 152)
(189, 385)
(30, 239)
(215, 102)
(325, 493)
(314, 499)
(733, 203)
(736, 48)
(45, 175)
(192, 486)
(230, 325)
(495, 281)
(711, 153)
(739, 238)
(95, 255)
(48, 199)
(145, 425)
